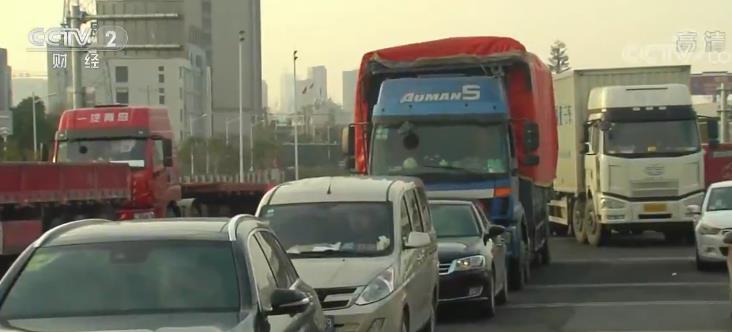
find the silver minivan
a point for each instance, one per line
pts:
(367, 246)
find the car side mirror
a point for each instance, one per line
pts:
(417, 240)
(347, 140)
(167, 153)
(288, 302)
(693, 209)
(495, 230)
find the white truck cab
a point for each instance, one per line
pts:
(643, 161)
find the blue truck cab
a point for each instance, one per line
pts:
(454, 133)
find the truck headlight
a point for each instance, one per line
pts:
(611, 203)
(705, 229)
(468, 263)
(378, 288)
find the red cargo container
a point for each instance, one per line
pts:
(717, 163)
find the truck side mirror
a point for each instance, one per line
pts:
(585, 148)
(531, 160)
(531, 136)
(167, 153)
(347, 140)
(713, 133)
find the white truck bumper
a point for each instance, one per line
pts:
(661, 211)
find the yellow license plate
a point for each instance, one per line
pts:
(654, 207)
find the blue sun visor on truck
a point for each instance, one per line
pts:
(473, 98)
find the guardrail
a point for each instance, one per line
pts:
(260, 177)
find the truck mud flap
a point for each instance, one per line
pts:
(18, 234)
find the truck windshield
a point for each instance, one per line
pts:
(128, 151)
(453, 149)
(652, 138)
(339, 229)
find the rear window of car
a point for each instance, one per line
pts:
(454, 220)
(125, 278)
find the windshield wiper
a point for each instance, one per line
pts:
(453, 168)
(322, 253)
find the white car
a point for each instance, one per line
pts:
(712, 221)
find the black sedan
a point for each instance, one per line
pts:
(187, 275)
(472, 255)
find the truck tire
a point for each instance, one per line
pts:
(544, 253)
(516, 278)
(578, 222)
(597, 233)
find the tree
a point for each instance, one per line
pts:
(22, 139)
(559, 60)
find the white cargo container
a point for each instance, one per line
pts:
(629, 155)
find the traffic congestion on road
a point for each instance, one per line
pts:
(476, 185)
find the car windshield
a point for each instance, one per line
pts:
(333, 229)
(448, 149)
(720, 199)
(454, 220)
(125, 278)
(127, 151)
(669, 138)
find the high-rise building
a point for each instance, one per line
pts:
(319, 77)
(349, 90)
(265, 95)
(6, 95)
(189, 64)
(286, 93)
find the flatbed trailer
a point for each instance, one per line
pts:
(35, 197)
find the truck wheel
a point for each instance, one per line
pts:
(578, 224)
(516, 275)
(544, 253)
(597, 233)
(171, 212)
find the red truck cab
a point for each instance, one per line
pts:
(139, 136)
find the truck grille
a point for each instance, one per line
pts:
(444, 268)
(336, 298)
(654, 188)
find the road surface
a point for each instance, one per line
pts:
(637, 283)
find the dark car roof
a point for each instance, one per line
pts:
(98, 230)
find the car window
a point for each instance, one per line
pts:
(263, 275)
(158, 153)
(455, 220)
(118, 278)
(414, 212)
(404, 220)
(484, 221)
(424, 208)
(720, 199)
(281, 265)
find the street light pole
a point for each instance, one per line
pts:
(252, 121)
(294, 103)
(190, 139)
(241, 108)
(35, 124)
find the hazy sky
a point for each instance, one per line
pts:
(335, 33)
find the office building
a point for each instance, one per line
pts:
(349, 90)
(319, 77)
(6, 94)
